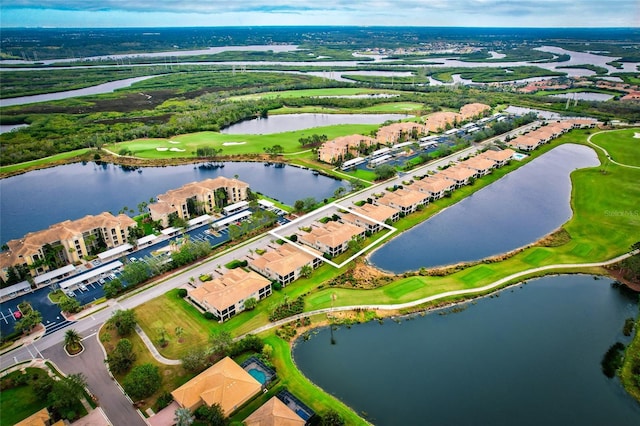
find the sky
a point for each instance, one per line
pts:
(190, 13)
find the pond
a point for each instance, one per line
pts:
(528, 357)
(512, 212)
(291, 122)
(35, 200)
(584, 96)
(4, 128)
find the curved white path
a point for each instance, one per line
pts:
(607, 152)
(413, 303)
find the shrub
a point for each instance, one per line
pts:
(182, 293)
(208, 315)
(612, 359)
(287, 309)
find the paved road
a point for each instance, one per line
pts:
(117, 407)
(607, 152)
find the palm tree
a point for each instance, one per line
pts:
(306, 271)
(183, 417)
(72, 340)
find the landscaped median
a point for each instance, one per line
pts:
(595, 234)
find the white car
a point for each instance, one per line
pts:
(83, 287)
(71, 294)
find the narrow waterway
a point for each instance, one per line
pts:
(528, 357)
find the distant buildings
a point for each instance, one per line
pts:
(197, 198)
(545, 134)
(65, 243)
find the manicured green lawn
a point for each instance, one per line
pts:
(399, 289)
(477, 274)
(185, 146)
(20, 402)
(621, 145)
(536, 256)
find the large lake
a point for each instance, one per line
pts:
(510, 213)
(35, 200)
(529, 357)
(291, 122)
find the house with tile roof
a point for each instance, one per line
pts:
(224, 296)
(501, 157)
(405, 200)
(459, 174)
(434, 186)
(363, 214)
(331, 238)
(225, 383)
(481, 166)
(285, 263)
(274, 413)
(201, 194)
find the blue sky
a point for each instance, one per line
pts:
(180, 13)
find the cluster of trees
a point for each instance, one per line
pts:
(274, 150)
(313, 141)
(221, 344)
(210, 416)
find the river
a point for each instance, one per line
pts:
(510, 213)
(528, 357)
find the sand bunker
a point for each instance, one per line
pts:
(233, 143)
(162, 149)
(176, 150)
(636, 135)
(174, 142)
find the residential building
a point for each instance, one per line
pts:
(481, 166)
(225, 296)
(379, 213)
(434, 186)
(438, 121)
(338, 148)
(501, 157)
(397, 132)
(197, 198)
(274, 413)
(285, 263)
(525, 142)
(331, 238)
(473, 110)
(66, 242)
(458, 174)
(225, 383)
(40, 418)
(404, 200)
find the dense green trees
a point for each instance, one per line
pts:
(124, 321)
(122, 357)
(142, 381)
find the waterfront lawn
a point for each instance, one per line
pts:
(621, 145)
(20, 402)
(42, 161)
(629, 371)
(253, 144)
(396, 107)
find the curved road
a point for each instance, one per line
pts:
(607, 152)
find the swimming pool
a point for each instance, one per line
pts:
(519, 156)
(259, 375)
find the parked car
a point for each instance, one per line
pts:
(71, 293)
(83, 287)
